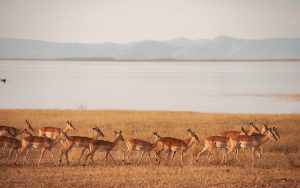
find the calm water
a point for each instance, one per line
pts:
(243, 87)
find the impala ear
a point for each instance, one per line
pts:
(120, 132)
(116, 132)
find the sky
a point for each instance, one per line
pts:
(122, 21)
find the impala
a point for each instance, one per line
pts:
(14, 132)
(105, 146)
(160, 149)
(253, 142)
(37, 142)
(173, 145)
(263, 132)
(78, 142)
(54, 132)
(212, 142)
(138, 145)
(9, 142)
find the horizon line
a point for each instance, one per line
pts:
(143, 40)
(161, 59)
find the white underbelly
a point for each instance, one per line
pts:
(49, 135)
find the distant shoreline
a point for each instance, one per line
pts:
(160, 60)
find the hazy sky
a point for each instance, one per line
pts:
(93, 21)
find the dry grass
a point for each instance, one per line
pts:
(279, 166)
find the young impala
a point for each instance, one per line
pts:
(54, 132)
(212, 142)
(78, 142)
(12, 143)
(173, 145)
(14, 132)
(102, 145)
(253, 142)
(37, 142)
(138, 145)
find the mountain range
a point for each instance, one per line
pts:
(221, 47)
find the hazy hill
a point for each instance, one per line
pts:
(220, 47)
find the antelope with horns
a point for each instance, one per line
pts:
(173, 145)
(12, 143)
(37, 142)
(138, 145)
(78, 142)
(14, 132)
(160, 147)
(253, 142)
(212, 142)
(105, 146)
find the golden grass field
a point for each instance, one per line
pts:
(279, 166)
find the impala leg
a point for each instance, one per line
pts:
(24, 149)
(42, 154)
(236, 155)
(225, 155)
(87, 156)
(234, 148)
(67, 156)
(81, 155)
(62, 152)
(106, 155)
(169, 156)
(224, 151)
(124, 156)
(149, 157)
(10, 153)
(181, 158)
(92, 158)
(260, 152)
(210, 153)
(160, 154)
(141, 157)
(112, 158)
(128, 156)
(63, 143)
(53, 157)
(203, 150)
(18, 156)
(253, 155)
(26, 156)
(173, 154)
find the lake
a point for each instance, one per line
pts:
(230, 87)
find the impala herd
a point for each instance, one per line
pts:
(49, 137)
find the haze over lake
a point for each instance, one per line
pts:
(231, 87)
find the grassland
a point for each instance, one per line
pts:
(279, 166)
